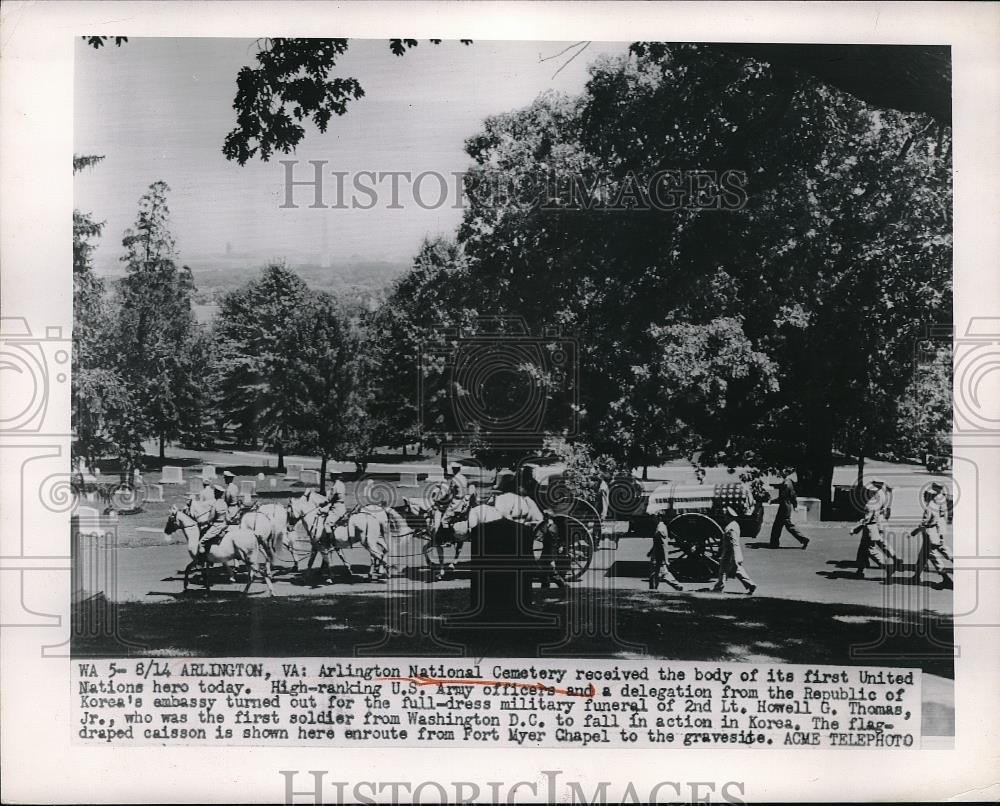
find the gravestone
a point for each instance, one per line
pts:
(273, 483)
(154, 493)
(407, 479)
(171, 475)
(208, 472)
(260, 477)
(248, 488)
(310, 477)
(293, 471)
(194, 486)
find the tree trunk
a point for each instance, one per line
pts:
(404, 450)
(162, 444)
(281, 454)
(815, 469)
(645, 472)
(861, 471)
(444, 456)
(322, 475)
(360, 466)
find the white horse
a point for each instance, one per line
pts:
(237, 545)
(270, 523)
(368, 526)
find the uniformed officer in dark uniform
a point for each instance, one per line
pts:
(787, 501)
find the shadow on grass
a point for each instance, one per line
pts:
(662, 625)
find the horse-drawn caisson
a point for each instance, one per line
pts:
(695, 518)
(565, 527)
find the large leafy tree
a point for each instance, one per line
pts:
(160, 351)
(816, 288)
(409, 340)
(327, 355)
(107, 420)
(262, 346)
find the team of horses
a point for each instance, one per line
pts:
(268, 530)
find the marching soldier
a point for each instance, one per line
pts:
(731, 556)
(935, 516)
(787, 501)
(873, 546)
(659, 567)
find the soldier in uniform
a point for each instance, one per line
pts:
(731, 555)
(787, 501)
(659, 568)
(873, 546)
(232, 494)
(460, 496)
(207, 493)
(511, 504)
(219, 518)
(931, 529)
(335, 507)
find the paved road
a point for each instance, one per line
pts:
(821, 573)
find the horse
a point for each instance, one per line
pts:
(236, 544)
(270, 523)
(456, 534)
(368, 525)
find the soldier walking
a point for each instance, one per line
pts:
(659, 565)
(787, 501)
(935, 516)
(731, 555)
(872, 546)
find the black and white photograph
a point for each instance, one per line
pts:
(634, 348)
(612, 387)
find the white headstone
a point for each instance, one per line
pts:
(293, 471)
(407, 479)
(208, 472)
(260, 477)
(154, 493)
(171, 475)
(248, 488)
(273, 482)
(195, 487)
(309, 477)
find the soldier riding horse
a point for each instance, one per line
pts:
(330, 531)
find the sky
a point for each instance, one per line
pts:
(159, 109)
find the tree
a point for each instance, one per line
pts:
(261, 338)
(327, 358)
(159, 351)
(818, 279)
(106, 420)
(409, 338)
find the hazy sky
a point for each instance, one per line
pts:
(161, 108)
